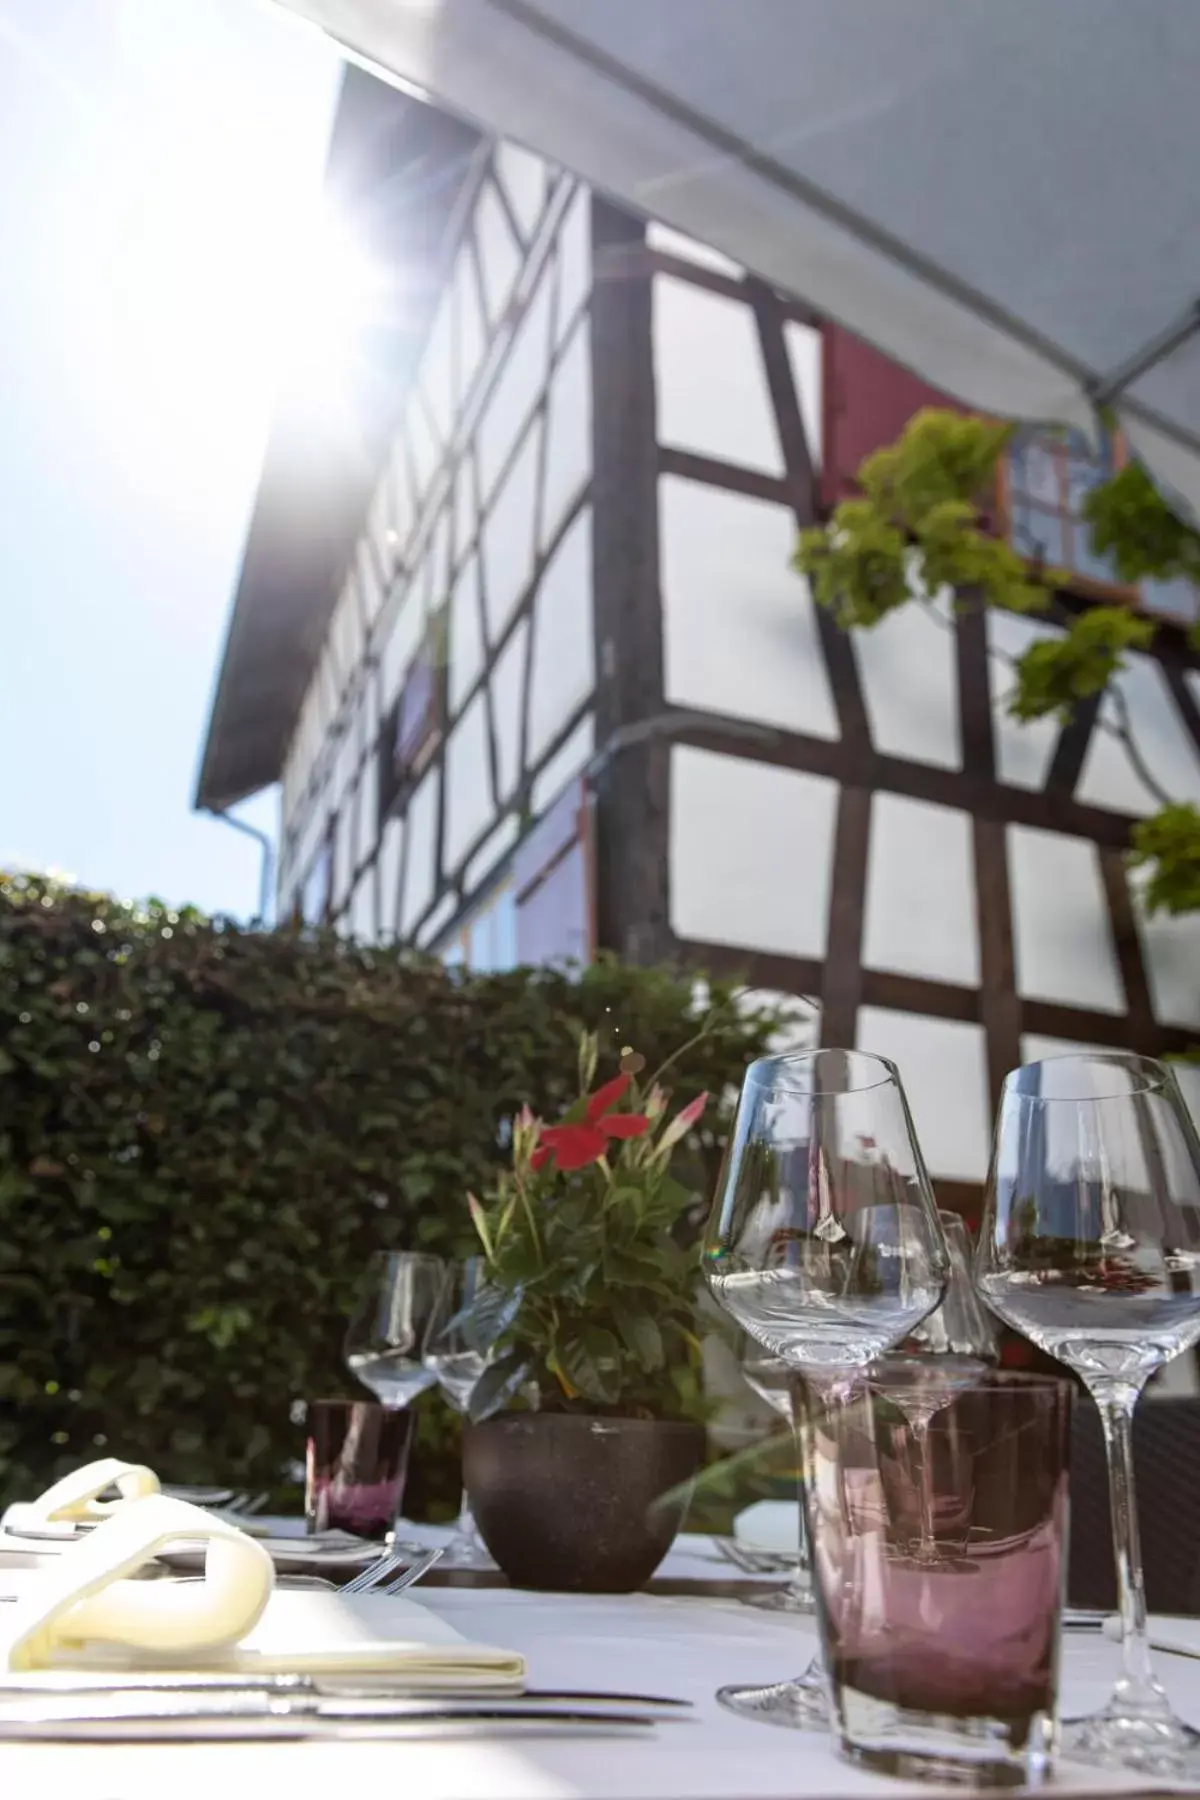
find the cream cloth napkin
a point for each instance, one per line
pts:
(81, 1601)
(76, 1498)
(82, 1613)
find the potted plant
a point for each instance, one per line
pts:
(602, 1358)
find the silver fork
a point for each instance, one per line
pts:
(380, 1572)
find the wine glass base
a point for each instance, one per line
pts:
(801, 1705)
(466, 1553)
(1148, 1743)
(783, 1600)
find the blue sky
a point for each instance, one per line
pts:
(158, 159)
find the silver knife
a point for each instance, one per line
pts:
(147, 1714)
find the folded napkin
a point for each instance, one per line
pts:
(81, 1612)
(81, 1602)
(76, 1498)
(769, 1525)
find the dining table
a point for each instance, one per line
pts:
(685, 1637)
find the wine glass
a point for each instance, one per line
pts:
(824, 1244)
(383, 1345)
(774, 1381)
(946, 1354)
(1090, 1245)
(469, 1317)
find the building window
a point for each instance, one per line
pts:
(413, 728)
(486, 940)
(1045, 481)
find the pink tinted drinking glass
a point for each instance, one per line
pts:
(938, 1570)
(355, 1467)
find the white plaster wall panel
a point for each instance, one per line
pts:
(518, 389)
(567, 762)
(920, 905)
(436, 376)
(523, 177)
(420, 873)
(371, 718)
(563, 673)
(806, 354)
(343, 853)
(1037, 1048)
(1192, 681)
(466, 637)
(943, 1066)
(910, 685)
(1062, 937)
(740, 634)
(1171, 955)
(470, 329)
(362, 909)
(400, 647)
(495, 845)
(1023, 752)
(710, 379)
(751, 849)
(506, 543)
(354, 807)
(424, 449)
(381, 531)
(404, 500)
(569, 428)
(574, 260)
(389, 877)
(368, 809)
(689, 249)
(370, 586)
(1108, 777)
(462, 509)
(499, 253)
(468, 783)
(347, 632)
(508, 707)
(345, 763)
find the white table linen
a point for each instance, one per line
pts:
(682, 1646)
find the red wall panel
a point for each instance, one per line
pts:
(868, 401)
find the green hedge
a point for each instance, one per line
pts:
(205, 1130)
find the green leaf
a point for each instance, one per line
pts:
(1053, 676)
(641, 1335)
(500, 1382)
(590, 1364)
(1169, 846)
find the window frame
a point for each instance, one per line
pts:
(1088, 587)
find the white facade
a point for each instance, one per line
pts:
(482, 525)
(480, 530)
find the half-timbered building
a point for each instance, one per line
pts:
(546, 681)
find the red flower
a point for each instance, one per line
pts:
(574, 1146)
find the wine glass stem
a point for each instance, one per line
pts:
(464, 1530)
(799, 1582)
(1137, 1683)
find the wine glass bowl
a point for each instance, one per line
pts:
(384, 1340)
(824, 1242)
(470, 1315)
(1090, 1246)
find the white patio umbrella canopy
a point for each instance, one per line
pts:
(1004, 195)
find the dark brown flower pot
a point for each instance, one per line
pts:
(567, 1503)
